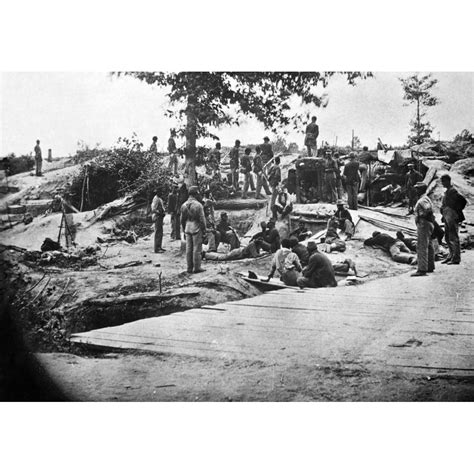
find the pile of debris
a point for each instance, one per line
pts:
(461, 147)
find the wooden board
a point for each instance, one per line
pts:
(400, 323)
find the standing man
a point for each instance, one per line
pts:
(193, 223)
(182, 198)
(451, 210)
(274, 178)
(38, 158)
(234, 165)
(319, 273)
(424, 227)
(214, 159)
(411, 178)
(174, 214)
(311, 137)
(153, 147)
(173, 164)
(330, 170)
(352, 180)
(158, 214)
(246, 165)
(267, 151)
(258, 170)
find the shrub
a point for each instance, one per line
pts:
(125, 169)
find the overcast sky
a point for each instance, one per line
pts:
(62, 108)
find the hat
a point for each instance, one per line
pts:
(352, 154)
(340, 202)
(375, 233)
(193, 190)
(411, 165)
(312, 246)
(266, 139)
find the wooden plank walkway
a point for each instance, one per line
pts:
(415, 324)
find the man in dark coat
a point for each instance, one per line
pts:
(319, 272)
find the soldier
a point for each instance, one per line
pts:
(312, 133)
(158, 214)
(38, 158)
(234, 165)
(411, 178)
(193, 223)
(173, 164)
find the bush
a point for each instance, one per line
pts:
(20, 164)
(125, 169)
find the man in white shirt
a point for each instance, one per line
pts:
(287, 263)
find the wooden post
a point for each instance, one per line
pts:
(352, 142)
(50, 155)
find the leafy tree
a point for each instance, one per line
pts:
(356, 143)
(200, 100)
(417, 90)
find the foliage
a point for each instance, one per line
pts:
(356, 143)
(417, 90)
(20, 164)
(125, 169)
(465, 135)
(85, 152)
(200, 100)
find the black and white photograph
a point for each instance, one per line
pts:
(241, 236)
(266, 213)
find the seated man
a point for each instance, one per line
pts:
(227, 234)
(260, 235)
(319, 273)
(396, 248)
(344, 219)
(283, 204)
(213, 235)
(287, 264)
(252, 250)
(271, 239)
(332, 239)
(301, 232)
(300, 250)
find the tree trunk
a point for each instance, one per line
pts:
(418, 130)
(190, 177)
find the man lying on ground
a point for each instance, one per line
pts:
(319, 273)
(396, 248)
(252, 250)
(287, 263)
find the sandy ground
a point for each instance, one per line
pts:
(143, 377)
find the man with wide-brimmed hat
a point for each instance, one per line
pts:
(344, 219)
(193, 223)
(283, 204)
(424, 218)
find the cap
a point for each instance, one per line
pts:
(340, 202)
(193, 190)
(312, 246)
(352, 154)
